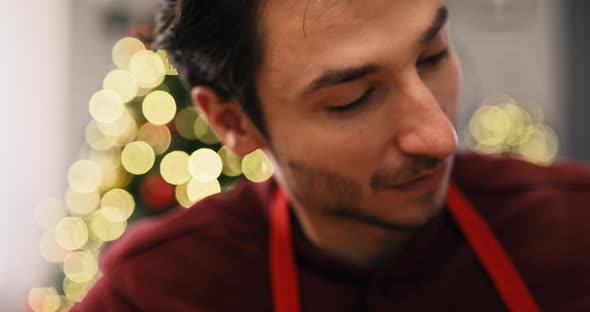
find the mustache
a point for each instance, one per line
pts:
(384, 179)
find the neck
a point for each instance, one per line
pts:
(351, 241)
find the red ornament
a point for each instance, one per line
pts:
(156, 193)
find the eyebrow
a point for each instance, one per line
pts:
(339, 76)
(442, 16)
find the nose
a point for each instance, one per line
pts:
(425, 128)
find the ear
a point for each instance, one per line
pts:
(232, 125)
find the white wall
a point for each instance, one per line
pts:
(525, 60)
(33, 139)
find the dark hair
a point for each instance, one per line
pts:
(214, 43)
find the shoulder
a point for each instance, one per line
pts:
(236, 213)
(510, 190)
(191, 254)
(540, 215)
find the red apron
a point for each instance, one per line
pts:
(511, 288)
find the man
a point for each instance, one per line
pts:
(369, 209)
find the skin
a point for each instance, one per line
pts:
(338, 167)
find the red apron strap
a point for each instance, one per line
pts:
(491, 254)
(283, 272)
(285, 285)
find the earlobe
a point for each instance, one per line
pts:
(226, 117)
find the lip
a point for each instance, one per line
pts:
(423, 182)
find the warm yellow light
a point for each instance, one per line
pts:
(232, 163)
(197, 190)
(76, 291)
(182, 198)
(123, 130)
(106, 160)
(106, 106)
(520, 121)
(81, 204)
(170, 70)
(49, 212)
(540, 146)
(138, 157)
(84, 176)
(184, 122)
(159, 107)
(205, 165)
(257, 167)
(117, 178)
(94, 242)
(203, 131)
(117, 205)
(121, 82)
(80, 266)
(50, 249)
(158, 137)
(124, 50)
(174, 168)
(96, 138)
(44, 299)
(106, 229)
(71, 233)
(490, 125)
(148, 69)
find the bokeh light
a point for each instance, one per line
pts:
(174, 168)
(184, 122)
(122, 82)
(541, 145)
(84, 176)
(490, 125)
(50, 249)
(94, 242)
(80, 266)
(181, 193)
(71, 233)
(76, 291)
(159, 107)
(158, 137)
(44, 299)
(106, 229)
(257, 167)
(148, 69)
(197, 190)
(96, 138)
(49, 212)
(105, 106)
(138, 157)
(503, 126)
(232, 163)
(124, 50)
(117, 205)
(81, 204)
(123, 130)
(205, 165)
(203, 131)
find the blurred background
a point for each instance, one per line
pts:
(74, 176)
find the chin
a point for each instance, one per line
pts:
(415, 212)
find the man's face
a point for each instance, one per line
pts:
(358, 99)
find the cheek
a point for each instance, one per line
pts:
(447, 87)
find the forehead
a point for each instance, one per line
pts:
(303, 38)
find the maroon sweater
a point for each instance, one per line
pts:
(214, 256)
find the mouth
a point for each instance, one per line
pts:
(424, 181)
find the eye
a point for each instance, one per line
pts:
(434, 59)
(353, 105)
